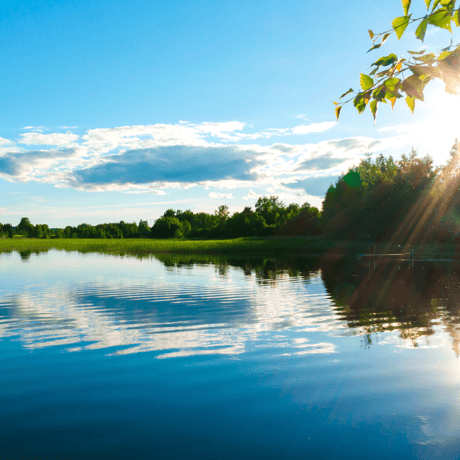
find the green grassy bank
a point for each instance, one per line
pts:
(302, 245)
(313, 246)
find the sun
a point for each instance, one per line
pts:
(437, 122)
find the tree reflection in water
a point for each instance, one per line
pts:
(412, 298)
(416, 299)
(393, 295)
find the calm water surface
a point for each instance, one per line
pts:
(117, 357)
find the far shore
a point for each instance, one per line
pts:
(307, 246)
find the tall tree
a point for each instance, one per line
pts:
(269, 208)
(25, 228)
(143, 227)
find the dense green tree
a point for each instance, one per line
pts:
(222, 212)
(59, 233)
(307, 221)
(382, 200)
(270, 209)
(167, 227)
(185, 215)
(42, 231)
(245, 223)
(25, 228)
(128, 230)
(8, 230)
(111, 230)
(170, 213)
(143, 227)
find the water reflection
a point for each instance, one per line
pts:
(416, 299)
(218, 309)
(285, 373)
(210, 305)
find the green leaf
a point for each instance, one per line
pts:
(441, 19)
(386, 60)
(371, 34)
(410, 101)
(446, 2)
(400, 24)
(348, 92)
(384, 38)
(366, 96)
(416, 52)
(406, 6)
(456, 18)
(379, 93)
(337, 111)
(366, 82)
(373, 106)
(444, 54)
(435, 4)
(426, 58)
(452, 60)
(427, 3)
(372, 72)
(359, 103)
(418, 69)
(391, 83)
(413, 87)
(374, 47)
(421, 29)
(425, 78)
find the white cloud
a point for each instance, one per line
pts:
(217, 129)
(5, 142)
(286, 195)
(228, 196)
(34, 128)
(104, 140)
(147, 190)
(39, 165)
(150, 159)
(58, 139)
(314, 128)
(251, 195)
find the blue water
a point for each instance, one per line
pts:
(111, 357)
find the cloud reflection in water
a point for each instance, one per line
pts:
(226, 315)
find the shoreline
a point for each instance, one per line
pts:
(304, 246)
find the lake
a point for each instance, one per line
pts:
(174, 357)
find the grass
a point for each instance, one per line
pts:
(313, 246)
(281, 246)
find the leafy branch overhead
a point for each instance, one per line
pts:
(393, 78)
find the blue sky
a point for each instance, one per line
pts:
(120, 110)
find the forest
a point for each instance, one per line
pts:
(409, 201)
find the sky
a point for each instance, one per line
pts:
(121, 110)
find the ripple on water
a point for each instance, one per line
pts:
(207, 315)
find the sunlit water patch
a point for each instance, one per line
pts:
(110, 357)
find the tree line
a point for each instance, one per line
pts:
(270, 217)
(409, 201)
